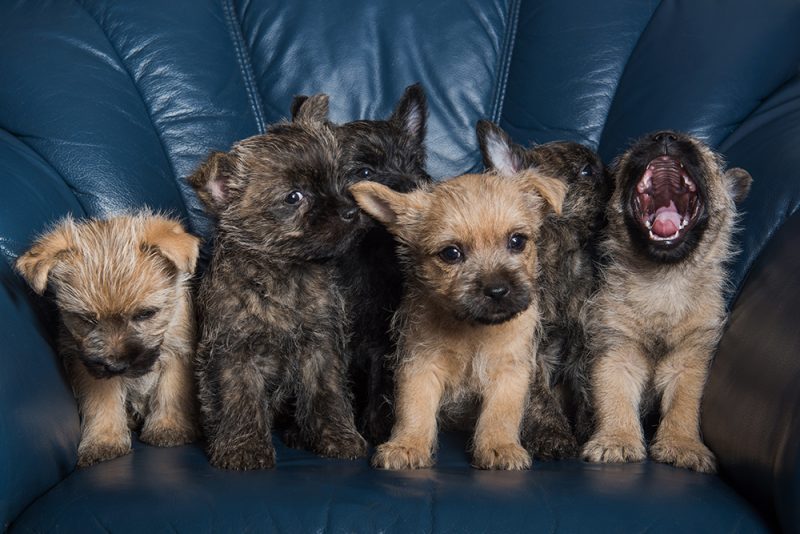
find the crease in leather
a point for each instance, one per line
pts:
(505, 60)
(148, 111)
(245, 63)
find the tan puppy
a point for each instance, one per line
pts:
(127, 327)
(658, 315)
(465, 328)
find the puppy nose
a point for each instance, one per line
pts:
(348, 214)
(495, 291)
(665, 137)
(116, 368)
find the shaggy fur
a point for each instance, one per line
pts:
(466, 323)
(566, 275)
(126, 326)
(659, 312)
(273, 317)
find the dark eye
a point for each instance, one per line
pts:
(145, 314)
(587, 170)
(86, 321)
(516, 243)
(294, 197)
(364, 174)
(451, 254)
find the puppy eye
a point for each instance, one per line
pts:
(587, 170)
(294, 197)
(87, 320)
(145, 314)
(364, 174)
(451, 254)
(517, 242)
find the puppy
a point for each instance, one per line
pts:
(659, 313)
(567, 276)
(272, 314)
(465, 326)
(126, 330)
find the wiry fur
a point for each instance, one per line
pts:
(566, 275)
(126, 326)
(273, 317)
(456, 343)
(659, 313)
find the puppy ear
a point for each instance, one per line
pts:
(739, 181)
(212, 180)
(411, 113)
(297, 103)
(393, 209)
(50, 249)
(172, 242)
(311, 109)
(498, 150)
(552, 190)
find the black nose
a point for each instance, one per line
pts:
(495, 291)
(348, 214)
(115, 368)
(665, 137)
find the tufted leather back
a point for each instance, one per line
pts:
(107, 105)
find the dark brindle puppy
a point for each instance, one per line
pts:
(566, 275)
(272, 315)
(390, 152)
(659, 313)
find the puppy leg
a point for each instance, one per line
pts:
(419, 388)
(324, 412)
(104, 421)
(680, 379)
(618, 379)
(171, 417)
(546, 432)
(497, 442)
(240, 409)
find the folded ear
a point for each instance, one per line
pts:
(212, 181)
(172, 242)
(50, 249)
(393, 209)
(411, 113)
(552, 190)
(310, 108)
(739, 181)
(498, 150)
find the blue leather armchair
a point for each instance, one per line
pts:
(108, 105)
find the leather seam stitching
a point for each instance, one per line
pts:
(505, 64)
(245, 63)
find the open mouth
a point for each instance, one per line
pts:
(666, 203)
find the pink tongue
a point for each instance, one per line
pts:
(667, 221)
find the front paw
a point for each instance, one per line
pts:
(167, 434)
(395, 456)
(92, 452)
(251, 455)
(614, 449)
(347, 445)
(552, 445)
(684, 452)
(507, 456)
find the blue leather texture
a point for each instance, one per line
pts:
(107, 105)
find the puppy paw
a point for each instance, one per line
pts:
(167, 435)
(396, 456)
(292, 437)
(553, 445)
(688, 453)
(94, 452)
(347, 445)
(614, 449)
(508, 456)
(253, 454)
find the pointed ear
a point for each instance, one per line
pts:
(212, 181)
(498, 150)
(297, 103)
(393, 209)
(172, 242)
(552, 190)
(50, 249)
(311, 109)
(411, 113)
(739, 181)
